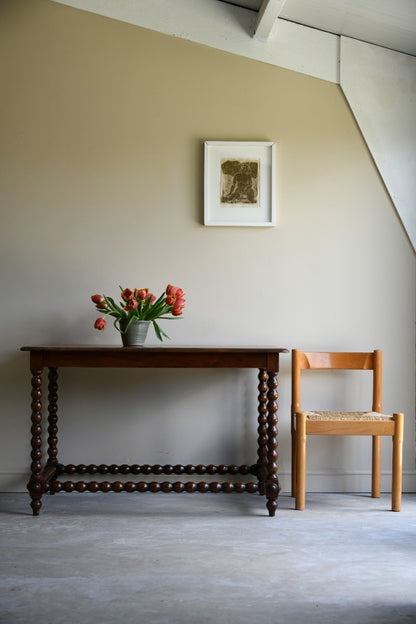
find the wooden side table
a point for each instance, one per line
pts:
(46, 477)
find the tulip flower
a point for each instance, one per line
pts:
(126, 294)
(171, 290)
(131, 304)
(97, 299)
(100, 323)
(174, 297)
(142, 293)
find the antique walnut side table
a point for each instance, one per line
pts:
(47, 477)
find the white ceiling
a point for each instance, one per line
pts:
(387, 23)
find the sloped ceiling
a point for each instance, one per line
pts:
(386, 23)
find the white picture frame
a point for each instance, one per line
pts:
(239, 183)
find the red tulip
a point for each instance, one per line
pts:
(176, 311)
(131, 304)
(97, 299)
(100, 323)
(126, 294)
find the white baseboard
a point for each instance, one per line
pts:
(347, 482)
(13, 481)
(315, 482)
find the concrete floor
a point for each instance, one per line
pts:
(207, 558)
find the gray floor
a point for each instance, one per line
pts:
(207, 558)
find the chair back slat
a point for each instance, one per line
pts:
(330, 360)
(340, 361)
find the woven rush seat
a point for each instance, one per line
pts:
(347, 416)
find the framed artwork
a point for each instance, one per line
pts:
(239, 183)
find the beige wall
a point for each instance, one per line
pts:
(102, 183)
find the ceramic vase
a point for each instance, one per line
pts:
(135, 335)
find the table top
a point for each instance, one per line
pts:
(164, 356)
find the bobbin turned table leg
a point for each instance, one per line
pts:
(262, 430)
(52, 421)
(35, 485)
(272, 487)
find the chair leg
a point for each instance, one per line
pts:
(294, 454)
(396, 490)
(300, 460)
(376, 467)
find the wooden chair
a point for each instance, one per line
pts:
(372, 423)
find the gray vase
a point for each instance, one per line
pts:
(136, 334)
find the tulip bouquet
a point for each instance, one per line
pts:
(140, 305)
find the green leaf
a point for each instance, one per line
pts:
(159, 332)
(131, 321)
(114, 307)
(170, 318)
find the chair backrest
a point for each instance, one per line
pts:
(337, 361)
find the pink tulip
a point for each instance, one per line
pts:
(175, 298)
(180, 302)
(171, 290)
(142, 293)
(100, 324)
(175, 302)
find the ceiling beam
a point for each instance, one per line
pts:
(226, 27)
(268, 14)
